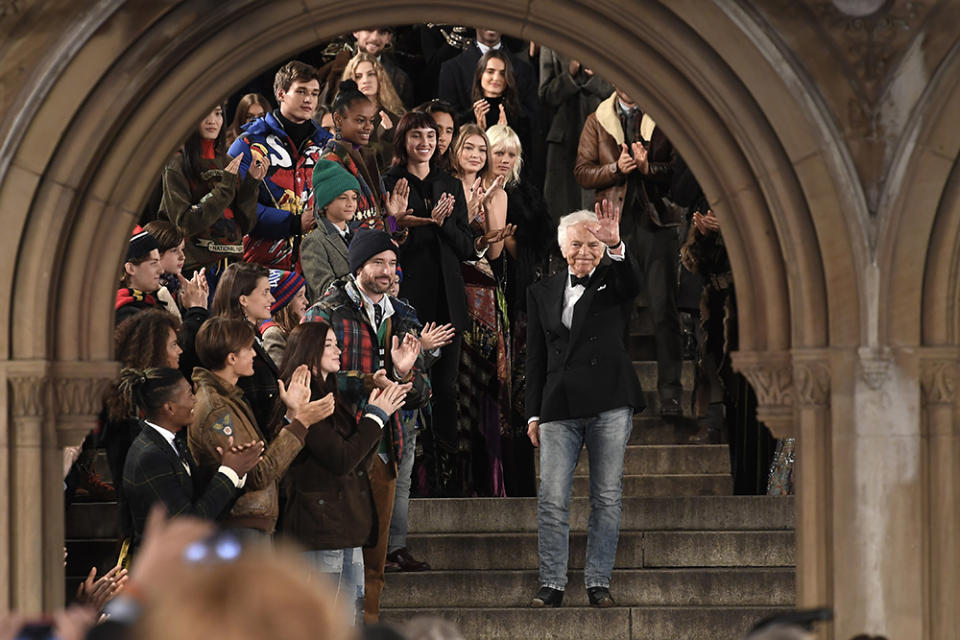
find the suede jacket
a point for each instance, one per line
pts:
(222, 412)
(596, 166)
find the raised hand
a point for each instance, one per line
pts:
(640, 157)
(298, 393)
(385, 121)
(403, 353)
(194, 292)
(318, 410)
(97, 593)
(259, 165)
(241, 458)
(502, 120)
(476, 200)
(433, 336)
(607, 229)
(234, 165)
(380, 379)
(625, 163)
(480, 109)
(397, 200)
(442, 209)
(495, 236)
(390, 399)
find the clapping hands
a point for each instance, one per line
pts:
(433, 336)
(706, 223)
(194, 292)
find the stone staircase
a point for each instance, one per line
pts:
(693, 560)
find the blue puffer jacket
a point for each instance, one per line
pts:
(286, 192)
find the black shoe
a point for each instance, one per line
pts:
(547, 597)
(600, 597)
(670, 408)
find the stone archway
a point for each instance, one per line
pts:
(102, 105)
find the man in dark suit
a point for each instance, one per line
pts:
(581, 389)
(159, 467)
(456, 75)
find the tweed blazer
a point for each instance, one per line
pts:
(323, 256)
(153, 473)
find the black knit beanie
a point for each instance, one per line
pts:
(367, 243)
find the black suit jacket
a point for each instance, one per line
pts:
(153, 473)
(456, 81)
(581, 371)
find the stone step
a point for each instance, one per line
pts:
(687, 513)
(665, 459)
(647, 373)
(630, 587)
(636, 549)
(652, 429)
(720, 484)
(587, 623)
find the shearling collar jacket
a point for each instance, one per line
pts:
(596, 166)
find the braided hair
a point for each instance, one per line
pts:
(145, 391)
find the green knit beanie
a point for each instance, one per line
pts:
(330, 179)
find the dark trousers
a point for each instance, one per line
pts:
(658, 253)
(383, 486)
(443, 380)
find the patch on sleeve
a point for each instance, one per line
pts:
(224, 425)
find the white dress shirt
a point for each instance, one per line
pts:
(572, 295)
(484, 48)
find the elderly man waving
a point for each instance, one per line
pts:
(581, 388)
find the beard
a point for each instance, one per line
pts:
(370, 284)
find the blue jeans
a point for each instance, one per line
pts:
(344, 569)
(401, 501)
(606, 437)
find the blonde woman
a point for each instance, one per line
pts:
(525, 262)
(373, 82)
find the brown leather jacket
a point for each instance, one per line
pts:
(222, 412)
(596, 166)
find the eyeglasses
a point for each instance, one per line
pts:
(220, 547)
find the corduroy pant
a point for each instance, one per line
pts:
(383, 484)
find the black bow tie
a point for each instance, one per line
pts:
(575, 280)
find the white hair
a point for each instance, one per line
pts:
(567, 221)
(501, 135)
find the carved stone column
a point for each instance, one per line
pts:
(939, 369)
(812, 475)
(50, 405)
(28, 429)
(771, 376)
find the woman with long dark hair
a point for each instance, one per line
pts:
(205, 198)
(496, 98)
(445, 115)
(329, 505)
(244, 294)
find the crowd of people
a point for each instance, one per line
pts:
(326, 308)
